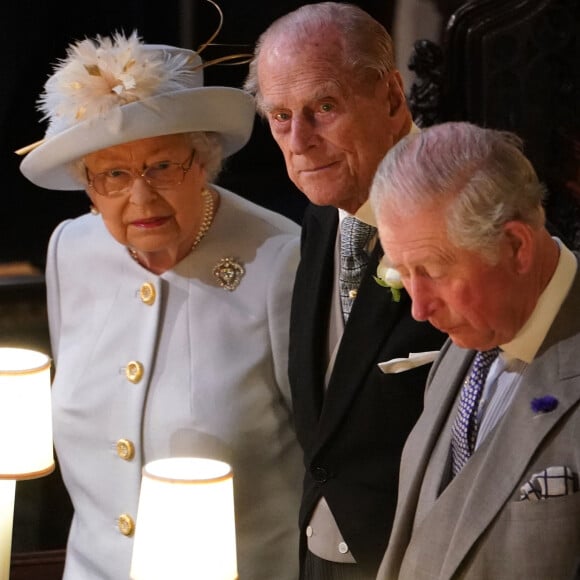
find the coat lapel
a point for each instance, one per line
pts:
(373, 316)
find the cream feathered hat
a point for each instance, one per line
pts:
(114, 90)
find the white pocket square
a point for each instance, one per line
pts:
(554, 481)
(415, 359)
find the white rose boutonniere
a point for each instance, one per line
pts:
(389, 278)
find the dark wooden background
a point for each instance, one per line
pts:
(37, 35)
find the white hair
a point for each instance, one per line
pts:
(366, 45)
(480, 175)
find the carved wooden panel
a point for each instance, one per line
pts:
(514, 65)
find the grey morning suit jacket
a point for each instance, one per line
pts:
(477, 528)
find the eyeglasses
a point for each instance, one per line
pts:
(163, 175)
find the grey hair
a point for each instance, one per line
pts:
(208, 153)
(480, 175)
(366, 45)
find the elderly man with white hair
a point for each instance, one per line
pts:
(489, 474)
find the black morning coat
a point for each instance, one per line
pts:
(353, 435)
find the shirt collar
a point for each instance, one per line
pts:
(528, 340)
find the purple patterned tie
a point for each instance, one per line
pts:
(464, 429)
(355, 237)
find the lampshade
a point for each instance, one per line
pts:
(25, 432)
(185, 525)
(25, 414)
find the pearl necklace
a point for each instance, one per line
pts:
(208, 215)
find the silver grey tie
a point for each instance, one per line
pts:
(355, 237)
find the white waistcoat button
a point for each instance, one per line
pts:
(342, 548)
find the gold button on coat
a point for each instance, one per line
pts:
(147, 293)
(126, 524)
(134, 371)
(125, 449)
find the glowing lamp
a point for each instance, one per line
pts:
(26, 450)
(185, 524)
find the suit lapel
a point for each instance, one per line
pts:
(373, 315)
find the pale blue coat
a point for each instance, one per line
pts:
(214, 382)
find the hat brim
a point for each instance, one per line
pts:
(223, 110)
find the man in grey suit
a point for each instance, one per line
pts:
(489, 492)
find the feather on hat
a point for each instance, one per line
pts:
(114, 90)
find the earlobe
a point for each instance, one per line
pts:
(92, 207)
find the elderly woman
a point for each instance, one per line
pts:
(168, 302)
